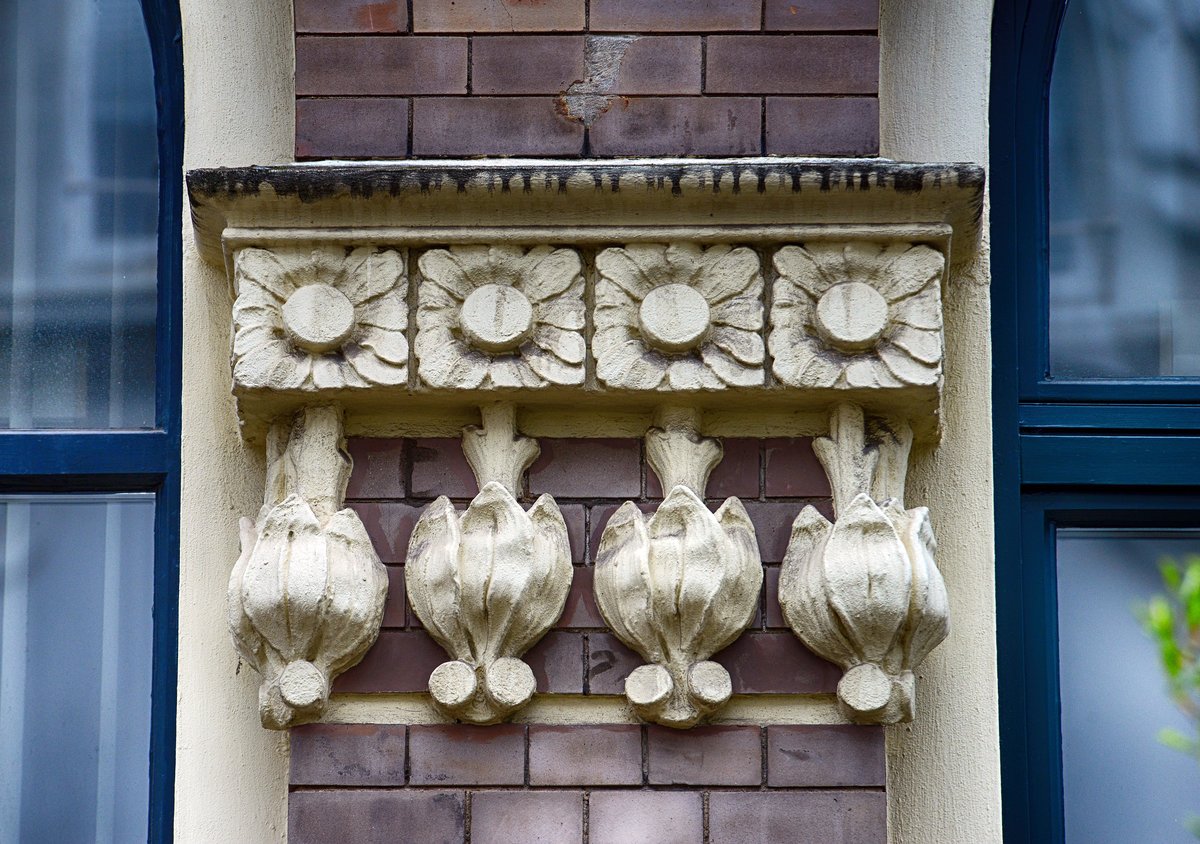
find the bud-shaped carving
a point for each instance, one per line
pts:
(488, 583)
(306, 596)
(865, 592)
(681, 585)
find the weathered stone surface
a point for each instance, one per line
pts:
(678, 317)
(857, 315)
(500, 316)
(681, 585)
(306, 596)
(313, 319)
(865, 592)
(488, 583)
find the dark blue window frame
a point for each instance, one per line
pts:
(1067, 453)
(143, 460)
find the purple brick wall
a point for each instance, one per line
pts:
(586, 78)
(604, 784)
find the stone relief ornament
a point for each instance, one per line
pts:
(859, 314)
(682, 584)
(500, 316)
(489, 582)
(324, 318)
(306, 596)
(865, 592)
(678, 317)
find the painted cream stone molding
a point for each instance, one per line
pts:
(488, 583)
(681, 585)
(679, 316)
(306, 596)
(857, 314)
(318, 318)
(864, 592)
(500, 316)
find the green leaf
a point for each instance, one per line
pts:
(1176, 740)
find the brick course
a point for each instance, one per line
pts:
(503, 77)
(639, 783)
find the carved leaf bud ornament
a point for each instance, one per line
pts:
(680, 585)
(864, 592)
(306, 596)
(489, 582)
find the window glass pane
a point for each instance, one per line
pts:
(75, 666)
(78, 215)
(1121, 783)
(1125, 191)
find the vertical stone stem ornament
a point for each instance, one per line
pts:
(681, 585)
(864, 592)
(488, 583)
(306, 596)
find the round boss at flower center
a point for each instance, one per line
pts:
(852, 316)
(318, 317)
(674, 318)
(496, 318)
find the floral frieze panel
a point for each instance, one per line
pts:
(679, 317)
(500, 316)
(857, 314)
(323, 318)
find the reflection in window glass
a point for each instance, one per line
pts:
(1121, 783)
(76, 587)
(78, 215)
(1125, 190)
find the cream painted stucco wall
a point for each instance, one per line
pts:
(231, 774)
(944, 768)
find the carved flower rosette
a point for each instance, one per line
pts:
(678, 317)
(307, 594)
(677, 587)
(487, 584)
(859, 314)
(319, 319)
(500, 317)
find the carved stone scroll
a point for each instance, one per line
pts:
(681, 585)
(306, 596)
(679, 317)
(865, 592)
(857, 314)
(312, 319)
(488, 583)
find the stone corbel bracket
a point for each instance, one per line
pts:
(488, 583)
(775, 285)
(306, 597)
(864, 591)
(682, 584)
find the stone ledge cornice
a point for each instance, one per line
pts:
(649, 192)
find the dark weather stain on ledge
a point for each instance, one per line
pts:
(311, 183)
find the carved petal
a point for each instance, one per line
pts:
(729, 370)
(568, 346)
(619, 267)
(630, 365)
(923, 346)
(912, 271)
(929, 617)
(904, 367)
(374, 369)
(802, 595)
(868, 577)
(738, 600)
(736, 271)
(445, 269)
(745, 312)
(550, 580)
(746, 346)
(798, 266)
(377, 272)
(622, 582)
(389, 346)
(688, 373)
(263, 268)
(284, 582)
(552, 274)
(550, 367)
(388, 312)
(494, 566)
(566, 313)
(356, 594)
(431, 577)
